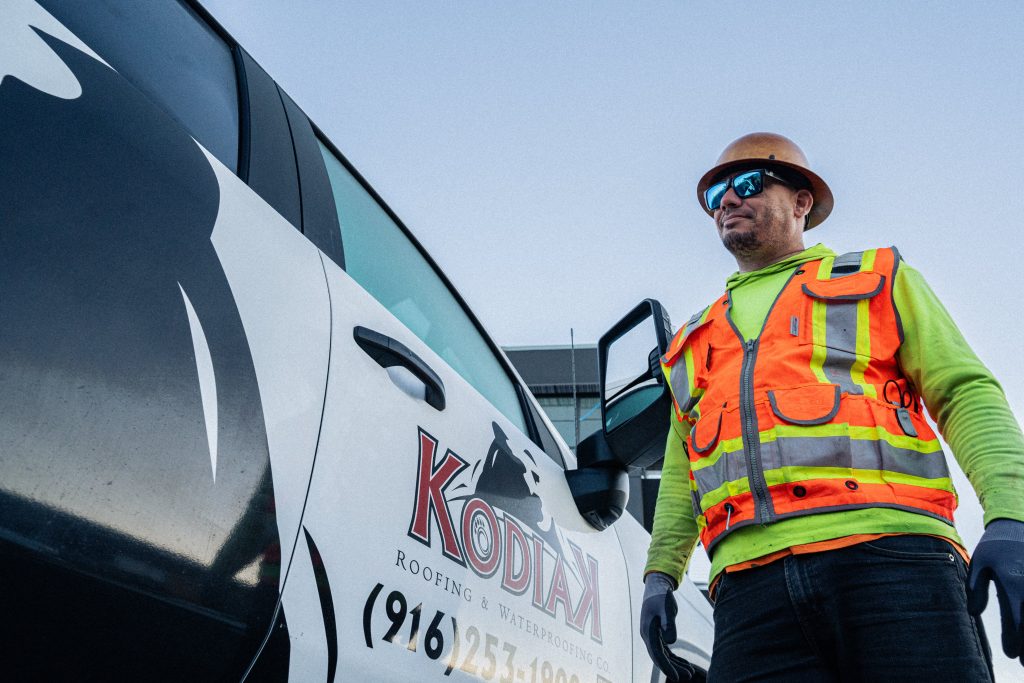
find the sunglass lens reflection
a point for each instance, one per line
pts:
(713, 195)
(748, 184)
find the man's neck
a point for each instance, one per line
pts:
(754, 262)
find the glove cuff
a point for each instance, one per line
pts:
(1004, 530)
(660, 578)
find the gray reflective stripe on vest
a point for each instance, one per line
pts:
(824, 451)
(680, 384)
(841, 329)
(732, 466)
(695, 500)
(840, 335)
(847, 263)
(679, 380)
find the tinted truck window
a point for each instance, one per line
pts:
(386, 264)
(170, 54)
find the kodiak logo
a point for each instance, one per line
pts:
(496, 525)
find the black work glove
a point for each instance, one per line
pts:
(658, 629)
(1000, 557)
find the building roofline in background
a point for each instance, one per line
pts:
(549, 347)
(549, 369)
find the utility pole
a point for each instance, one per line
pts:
(575, 401)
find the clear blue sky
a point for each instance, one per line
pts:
(546, 154)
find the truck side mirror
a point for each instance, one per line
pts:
(599, 485)
(635, 411)
(635, 399)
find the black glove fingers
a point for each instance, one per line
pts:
(977, 587)
(1010, 629)
(677, 669)
(668, 628)
(684, 670)
(1014, 631)
(656, 649)
(649, 634)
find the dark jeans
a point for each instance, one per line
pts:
(893, 609)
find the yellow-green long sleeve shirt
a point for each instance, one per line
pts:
(960, 393)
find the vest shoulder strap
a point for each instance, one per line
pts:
(851, 261)
(692, 323)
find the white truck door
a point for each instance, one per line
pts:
(439, 541)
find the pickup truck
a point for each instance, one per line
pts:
(248, 428)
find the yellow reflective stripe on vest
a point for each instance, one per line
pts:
(864, 333)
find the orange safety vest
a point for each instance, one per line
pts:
(814, 415)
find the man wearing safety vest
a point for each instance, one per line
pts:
(800, 456)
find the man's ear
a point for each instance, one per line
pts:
(803, 201)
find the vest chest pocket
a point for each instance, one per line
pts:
(705, 433)
(834, 308)
(799, 448)
(809, 405)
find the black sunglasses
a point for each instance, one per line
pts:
(746, 184)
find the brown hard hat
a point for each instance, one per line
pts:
(769, 150)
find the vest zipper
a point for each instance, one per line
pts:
(751, 439)
(748, 412)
